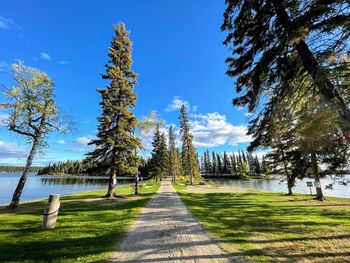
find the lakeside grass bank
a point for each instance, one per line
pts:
(259, 226)
(88, 227)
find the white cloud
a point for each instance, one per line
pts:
(9, 150)
(62, 142)
(248, 114)
(64, 62)
(177, 103)
(45, 56)
(7, 24)
(212, 129)
(82, 141)
(3, 118)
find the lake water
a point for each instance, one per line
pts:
(339, 190)
(38, 187)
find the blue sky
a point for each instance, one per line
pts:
(178, 54)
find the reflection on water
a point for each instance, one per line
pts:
(276, 185)
(63, 180)
(38, 187)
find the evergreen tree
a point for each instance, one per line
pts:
(226, 164)
(159, 159)
(115, 143)
(164, 158)
(202, 164)
(189, 159)
(271, 42)
(208, 164)
(257, 166)
(250, 161)
(219, 167)
(244, 158)
(234, 171)
(174, 163)
(214, 165)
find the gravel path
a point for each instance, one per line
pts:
(166, 232)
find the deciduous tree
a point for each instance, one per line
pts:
(33, 113)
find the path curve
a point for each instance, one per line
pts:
(166, 232)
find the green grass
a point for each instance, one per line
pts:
(272, 227)
(88, 227)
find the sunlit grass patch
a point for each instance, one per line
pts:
(88, 227)
(271, 227)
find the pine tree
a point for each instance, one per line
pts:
(234, 171)
(257, 166)
(115, 143)
(214, 165)
(226, 164)
(159, 159)
(189, 161)
(271, 43)
(202, 164)
(219, 167)
(174, 163)
(208, 163)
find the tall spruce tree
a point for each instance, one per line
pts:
(226, 164)
(234, 171)
(189, 161)
(209, 164)
(214, 163)
(219, 167)
(159, 158)
(115, 142)
(174, 162)
(274, 42)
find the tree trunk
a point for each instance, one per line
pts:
(18, 192)
(190, 164)
(316, 71)
(137, 184)
(111, 185)
(319, 194)
(289, 185)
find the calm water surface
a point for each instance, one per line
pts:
(38, 187)
(339, 190)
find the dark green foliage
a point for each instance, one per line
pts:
(174, 161)
(17, 169)
(226, 169)
(83, 167)
(115, 143)
(189, 161)
(218, 165)
(230, 164)
(213, 160)
(274, 43)
(159, 160)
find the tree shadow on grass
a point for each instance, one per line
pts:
(83, 230)
(263, 224)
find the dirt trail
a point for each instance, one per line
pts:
(166, 232)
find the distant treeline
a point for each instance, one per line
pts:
(82, 167)
(70, 167)
(17, 169)
(239, 165)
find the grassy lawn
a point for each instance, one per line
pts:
(88, 227)
(271, 227)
